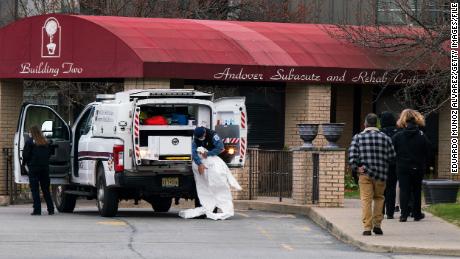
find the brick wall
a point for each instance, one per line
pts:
(306, 104)
(11, 93)
(146, 83)
(344, 113)
(444, 144)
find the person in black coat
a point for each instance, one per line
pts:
(36, 156)
(388, 126)
(412, 151)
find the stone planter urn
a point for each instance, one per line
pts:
(332, 132)
(308, 132)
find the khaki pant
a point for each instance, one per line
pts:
(371, 190)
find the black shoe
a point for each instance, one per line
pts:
(35, 213)
(422, 216)
(390, 217)
(397, 209)
(50, 212)
(367, 233)
(378, 231)
(402, 219)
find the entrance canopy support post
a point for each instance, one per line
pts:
(11, 97)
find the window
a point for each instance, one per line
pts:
(390, 12)
(84, 124)
(428, 12)
(46, 120)
(88, 123)
(435, 12)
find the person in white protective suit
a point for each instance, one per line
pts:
(213, 188)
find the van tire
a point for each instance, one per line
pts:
(161, 204)
(64, 202)
(106, 198)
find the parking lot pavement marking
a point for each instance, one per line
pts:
(287, 247)
(265, 233)
(112, 223)
(305, 228)
(243, 214)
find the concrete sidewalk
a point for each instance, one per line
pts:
(431, 236)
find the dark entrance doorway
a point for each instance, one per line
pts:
(265, 104)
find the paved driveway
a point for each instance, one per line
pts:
(140, 233)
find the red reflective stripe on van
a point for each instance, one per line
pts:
(242, 147)
(231, 140)
(137, 152)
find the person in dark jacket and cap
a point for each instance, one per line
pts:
(207, 138)
(412, 151)
(388, 126)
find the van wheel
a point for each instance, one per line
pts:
(160, 204)
(63, 202)
(106, 198)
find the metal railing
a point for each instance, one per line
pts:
(11, 188)
(315, 185)
(270, 173)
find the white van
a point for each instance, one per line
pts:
(132, 145)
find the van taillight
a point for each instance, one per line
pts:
(118, 158)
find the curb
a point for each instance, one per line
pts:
(272, 207)
(335, 231)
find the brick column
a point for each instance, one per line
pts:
(242, 176)
(11, 94)
(306, 104)
(146, 83)
(331, 178)
(302, 177)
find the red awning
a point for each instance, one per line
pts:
(73, 46)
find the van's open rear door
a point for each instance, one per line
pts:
(55, 129)
(230, 122)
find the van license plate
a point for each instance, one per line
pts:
(170, 182)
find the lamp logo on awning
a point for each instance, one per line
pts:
(51, 38)
(51, 48)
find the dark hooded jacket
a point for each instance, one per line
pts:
(388, 124)
(412, 148)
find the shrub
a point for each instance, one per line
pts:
(350, 182)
